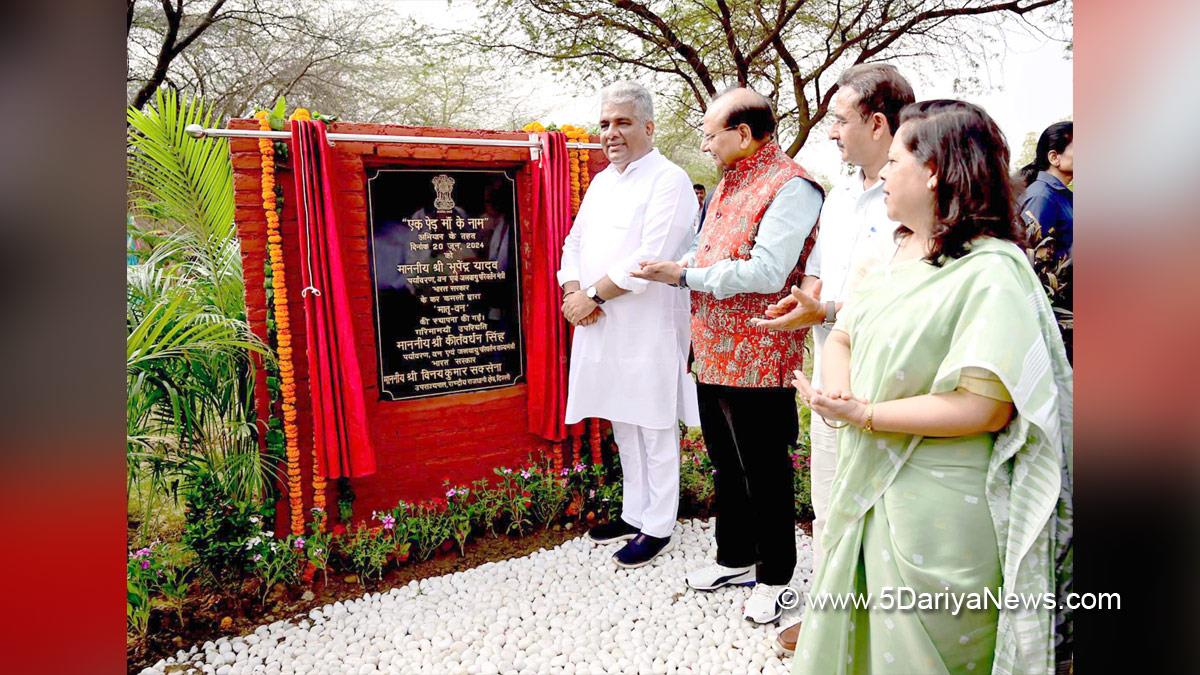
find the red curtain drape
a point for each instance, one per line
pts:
(340, 430)
(547, 334)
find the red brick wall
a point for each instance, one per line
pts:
(418, 443)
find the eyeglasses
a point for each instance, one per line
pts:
(707, 138)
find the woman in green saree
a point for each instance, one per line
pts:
(948, 374)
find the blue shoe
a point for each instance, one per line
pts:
(642, 550)
(614, 530)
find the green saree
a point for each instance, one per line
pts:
(948, 517)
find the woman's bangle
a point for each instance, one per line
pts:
(869, 423)
(831, 425)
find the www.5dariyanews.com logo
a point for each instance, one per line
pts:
(903, 598)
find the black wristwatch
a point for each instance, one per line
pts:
(682, 278)
(594, 295)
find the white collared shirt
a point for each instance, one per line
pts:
(631, 365)
(855, 233)
(855, 236)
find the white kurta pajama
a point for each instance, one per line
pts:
(630, 367)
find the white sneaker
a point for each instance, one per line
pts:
(715, 576)
(763, 605)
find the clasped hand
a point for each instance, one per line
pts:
(580, 310)
(839, 405)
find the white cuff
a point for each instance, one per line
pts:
(620, 276)
(564, 275)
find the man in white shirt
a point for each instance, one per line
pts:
(628, 360)
(855, 235)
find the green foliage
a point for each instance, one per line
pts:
(318, 545)
(428, 528)
(138, 579)
(154, 569)
(516, 500)
(695, 472)
(802, 481)
(366, 550)
(188, 371)
(346, 497)
(607, 500)
(460, 515)
(176, 179)
(218, 525)
(488, 505)
(274, 561)
(1056, 273)
(549, 492)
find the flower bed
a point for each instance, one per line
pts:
(229, 573)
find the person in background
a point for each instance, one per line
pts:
(701, 193)
(1048, 202)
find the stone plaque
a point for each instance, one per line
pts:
(445, 271)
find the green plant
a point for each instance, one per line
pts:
(802, 480)
(217, 525)
(1055, 271)
(489, 502)
(172, 578)
(606, 501)
(318, 544)
(345, 500)
(366, 550)
(459, 515)
(428, 527)
(515, 499)
(581, 479)
(138, 578)
(549, 492)
(273, 560)
(188, 369)
(696, 473)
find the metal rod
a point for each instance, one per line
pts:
(197, 131)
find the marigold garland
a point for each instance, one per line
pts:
(580, 180)
(318, 479)
(287, 375)
(579, 165)
(577, 159)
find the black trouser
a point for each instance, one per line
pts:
(748, 432)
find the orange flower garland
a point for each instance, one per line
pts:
(579, 168)
(287, 376)
(318, 479)
(580, 180)
(578, 159)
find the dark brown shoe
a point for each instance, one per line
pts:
(786, 640)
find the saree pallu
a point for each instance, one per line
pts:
(918, 521)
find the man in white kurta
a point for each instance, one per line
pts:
(629, 352)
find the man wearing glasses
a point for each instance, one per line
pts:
(856, 234)
(760, 225)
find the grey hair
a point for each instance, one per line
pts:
(630, 92)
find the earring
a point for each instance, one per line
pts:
(932, 183)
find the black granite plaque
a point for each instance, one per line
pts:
(445, 269)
